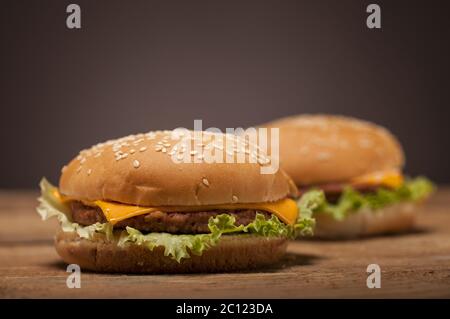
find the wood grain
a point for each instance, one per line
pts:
(413, 265)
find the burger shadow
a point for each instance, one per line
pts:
(417, 231)
(289, 260)
(292, 260)
(60, 265)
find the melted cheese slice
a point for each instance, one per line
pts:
(62, 198)
(115, 212)
(285, 209)
(391, 178)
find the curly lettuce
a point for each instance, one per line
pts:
(51, 206)
(175, 246)
(309, 202)
(350, 201)
(180, 246)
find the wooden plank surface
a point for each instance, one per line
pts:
(413, 265)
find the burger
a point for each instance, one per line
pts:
(352, 170)
(155, 203)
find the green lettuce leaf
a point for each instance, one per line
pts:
(351, 201)
(308, 203)
(175, 246)
(51, 206)
(180, 246)
(268, 227)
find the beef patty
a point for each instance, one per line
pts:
(169, 222)
(333, 191)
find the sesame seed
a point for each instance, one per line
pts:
(89, 171)
(379, 151)
(143, 148)
(343, 144)
(136, 142)
(193, 152)
(132, 151)
(205, 182)
(136, 164)
(78, 169)
(365, 143)
(323, 156)
(82, 160)
(234, 198)
(304, 149)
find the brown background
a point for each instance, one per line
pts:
(141, 65)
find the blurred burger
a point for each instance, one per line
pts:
(357, 166)
(134, 205)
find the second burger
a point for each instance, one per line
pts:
(357, 165)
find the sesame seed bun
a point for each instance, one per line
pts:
(317, 149)
(232, 253)
(140, 170)
(391, 219)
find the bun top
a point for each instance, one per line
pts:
(318, 149)
(151, 170)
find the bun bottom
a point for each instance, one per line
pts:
(392, 219)
(230, 254)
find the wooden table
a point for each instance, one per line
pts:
(412, 265)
